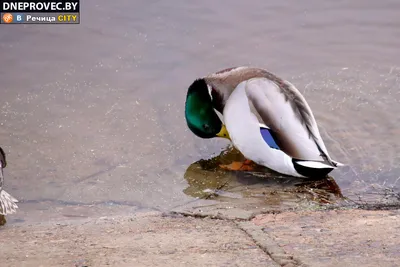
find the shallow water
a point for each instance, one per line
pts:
(92, 114)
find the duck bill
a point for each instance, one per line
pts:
(224, 133)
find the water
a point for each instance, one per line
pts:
(92, 114)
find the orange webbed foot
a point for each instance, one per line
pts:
(239, 166)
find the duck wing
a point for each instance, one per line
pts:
(280, 106)
(7, 202)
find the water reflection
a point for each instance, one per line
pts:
(208, 181)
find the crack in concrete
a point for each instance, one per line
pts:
(217, 216)
(269, 246)
(264, 240)
(260, 238)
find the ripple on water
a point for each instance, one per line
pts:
(358, 112)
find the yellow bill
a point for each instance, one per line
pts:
(224, 133)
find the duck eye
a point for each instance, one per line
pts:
(206, 127)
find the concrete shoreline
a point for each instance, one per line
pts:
(351, 237)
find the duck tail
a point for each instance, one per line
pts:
(314, 164)
(311, 168)
(7, 203)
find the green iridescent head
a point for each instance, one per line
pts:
(200, 115)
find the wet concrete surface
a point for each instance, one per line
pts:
(146, 239)
(330, 238)
(291, 239)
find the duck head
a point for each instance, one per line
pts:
(200, 114)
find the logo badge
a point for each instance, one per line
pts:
(8, 18)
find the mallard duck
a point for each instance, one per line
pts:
(7, 202)
(265, 117)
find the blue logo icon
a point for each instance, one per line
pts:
(19, 18)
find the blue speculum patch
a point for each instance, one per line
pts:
(266, 134)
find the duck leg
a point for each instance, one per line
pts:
(246, 165)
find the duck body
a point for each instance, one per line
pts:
(7, 202)
(268, 121)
